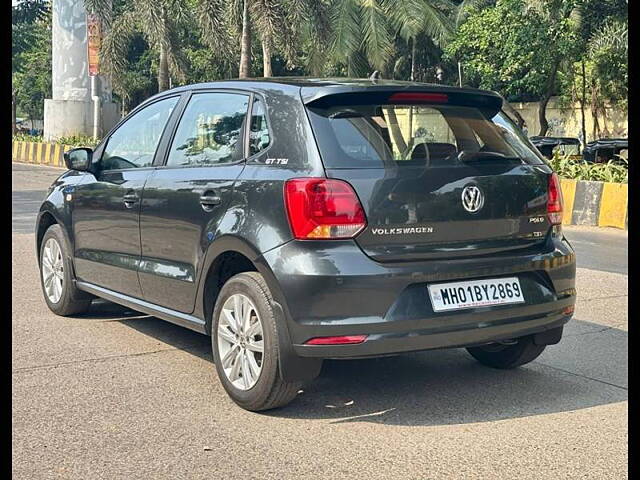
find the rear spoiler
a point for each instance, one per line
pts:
(411, 96)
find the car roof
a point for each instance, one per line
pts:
(312, 88)
(614, 144)
(554, 140)
(609, 142)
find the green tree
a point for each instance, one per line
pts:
(280, 25)
(158, 24)
(363, 31)
(517, 49)
(601, 74)
(31, 58)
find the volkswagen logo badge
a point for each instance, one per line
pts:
(472, 198)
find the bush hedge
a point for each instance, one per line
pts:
(74, 140)
(612, 171)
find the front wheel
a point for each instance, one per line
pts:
(244, 339)
(60, 293)
(507, 356)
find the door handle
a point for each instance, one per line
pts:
(130, 199)
(209, 199)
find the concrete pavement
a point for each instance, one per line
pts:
(115, 394)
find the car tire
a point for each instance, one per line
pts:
(269, 390)
(63, 298)
(507, 356)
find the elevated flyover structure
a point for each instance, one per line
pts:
(70, 111)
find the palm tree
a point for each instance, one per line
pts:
(281, 25)
(611, 40)
(364, 30)
(158, 24)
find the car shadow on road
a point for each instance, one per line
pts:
(588, 368)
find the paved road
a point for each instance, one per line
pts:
(115, 394)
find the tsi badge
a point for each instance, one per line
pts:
(472, 198)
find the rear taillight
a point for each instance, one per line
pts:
(323, 208)
(554, 200)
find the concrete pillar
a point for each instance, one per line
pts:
(70, 111)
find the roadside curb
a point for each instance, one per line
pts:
(599, 204)
(39, 153)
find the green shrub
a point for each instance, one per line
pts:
(79, 141)
(23, 137)
(74, 140)
(600, 172)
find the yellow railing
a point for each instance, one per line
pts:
(39, 153)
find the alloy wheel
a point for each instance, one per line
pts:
(53, 270)
(240, 341)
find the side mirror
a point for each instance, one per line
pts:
(78, 159)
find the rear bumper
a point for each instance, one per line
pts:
(333, 288)
(478, 332)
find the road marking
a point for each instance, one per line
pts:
(626, 389)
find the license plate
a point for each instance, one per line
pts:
(475, 293)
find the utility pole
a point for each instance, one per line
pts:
(94, 38)
(582, 102)
(95, 98)
(14, 107)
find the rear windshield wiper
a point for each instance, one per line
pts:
(466, 156)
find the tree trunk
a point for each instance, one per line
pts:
(594, 109)
(266, 57)
(413, 79)
(163, 70)
(542, 115)
(245, 43)
(413, 60)
(605, 129)
(514, 113)
(395, 131)
(596, 124)
(544, 101)
(14, 108)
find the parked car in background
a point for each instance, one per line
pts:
(606, 149)
(563, 145)
(295, 220)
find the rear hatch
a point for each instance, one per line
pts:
(439, 175)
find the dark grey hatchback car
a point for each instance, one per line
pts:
(294, 220)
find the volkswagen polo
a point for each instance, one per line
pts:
(295, 220)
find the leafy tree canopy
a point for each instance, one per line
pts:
(513, 47)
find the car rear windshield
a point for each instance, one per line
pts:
(379, 136)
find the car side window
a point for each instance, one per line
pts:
(134, 143)
(210, 131)
(259, 138)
